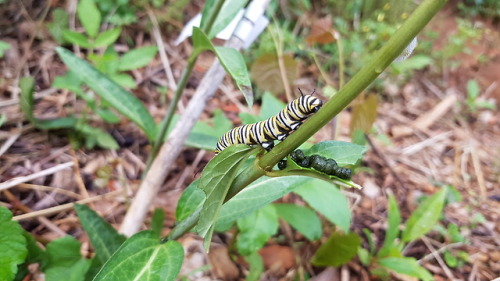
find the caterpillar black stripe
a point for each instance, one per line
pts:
(277, 127)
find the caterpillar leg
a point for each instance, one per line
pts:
(268, 145)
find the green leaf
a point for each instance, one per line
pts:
(13, 249)
(215, 182)
(71, 82)
(230, 59)
(393, 227)
(35, 253)
(301, 218)
(364, 256)
(143, 257)
(407, 266)
(157, 221)
(137, 58)
(339, 249)
(3, 118)
(27, 85)
(4, 46)
(107, 62)
(344, 153)
(256, 229)
(256, 265)
(101, 138)
(59, 123)
(58, 25)
(107, 37)
(64, 261)
(103, 237)
(450, 259)
(123, 80)
(257, 195)
(89, 16)
(227, 13)
(107, 115)
(327, 199)
(76, 38)
(123, 101)
(208, 10)
(423, 219)
(191, 199)
(472, 89)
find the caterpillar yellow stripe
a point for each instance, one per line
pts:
(278, 127)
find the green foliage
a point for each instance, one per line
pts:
(344, 153)
(191, 199)
(137, 58)
(337, 250)
(255, 196)
(327, 200)
(424, 217)
(256, 264)
(89, 16)
(143, 257)
(304, 220)
(256, 229)
(390, 257)
(485, 8)
(64, 261)
(394, 219)
(456, 259)
(157, 221)
(473, 101)
(226, 14)
(4, 46)
(215, 182)
(230, 59)
(103, 237)
(407, 266)
(82, 132)
(123, 101)
(13, 249)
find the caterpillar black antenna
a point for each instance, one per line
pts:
(314, 91)
(302, 94)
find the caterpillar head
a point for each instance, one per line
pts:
(312, 104)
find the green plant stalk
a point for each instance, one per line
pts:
(165, 123)
(385, 56)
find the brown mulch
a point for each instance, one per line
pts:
(434, 141)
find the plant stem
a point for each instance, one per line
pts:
(385, 56)
(165, 123)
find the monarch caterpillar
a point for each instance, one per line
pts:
(278, 127)
(319, 163)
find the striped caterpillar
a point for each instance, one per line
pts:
(278, 127)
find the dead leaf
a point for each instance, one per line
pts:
(322, 32)
(265, 72)
(278, 259)
(222, 265)
(364, 114)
